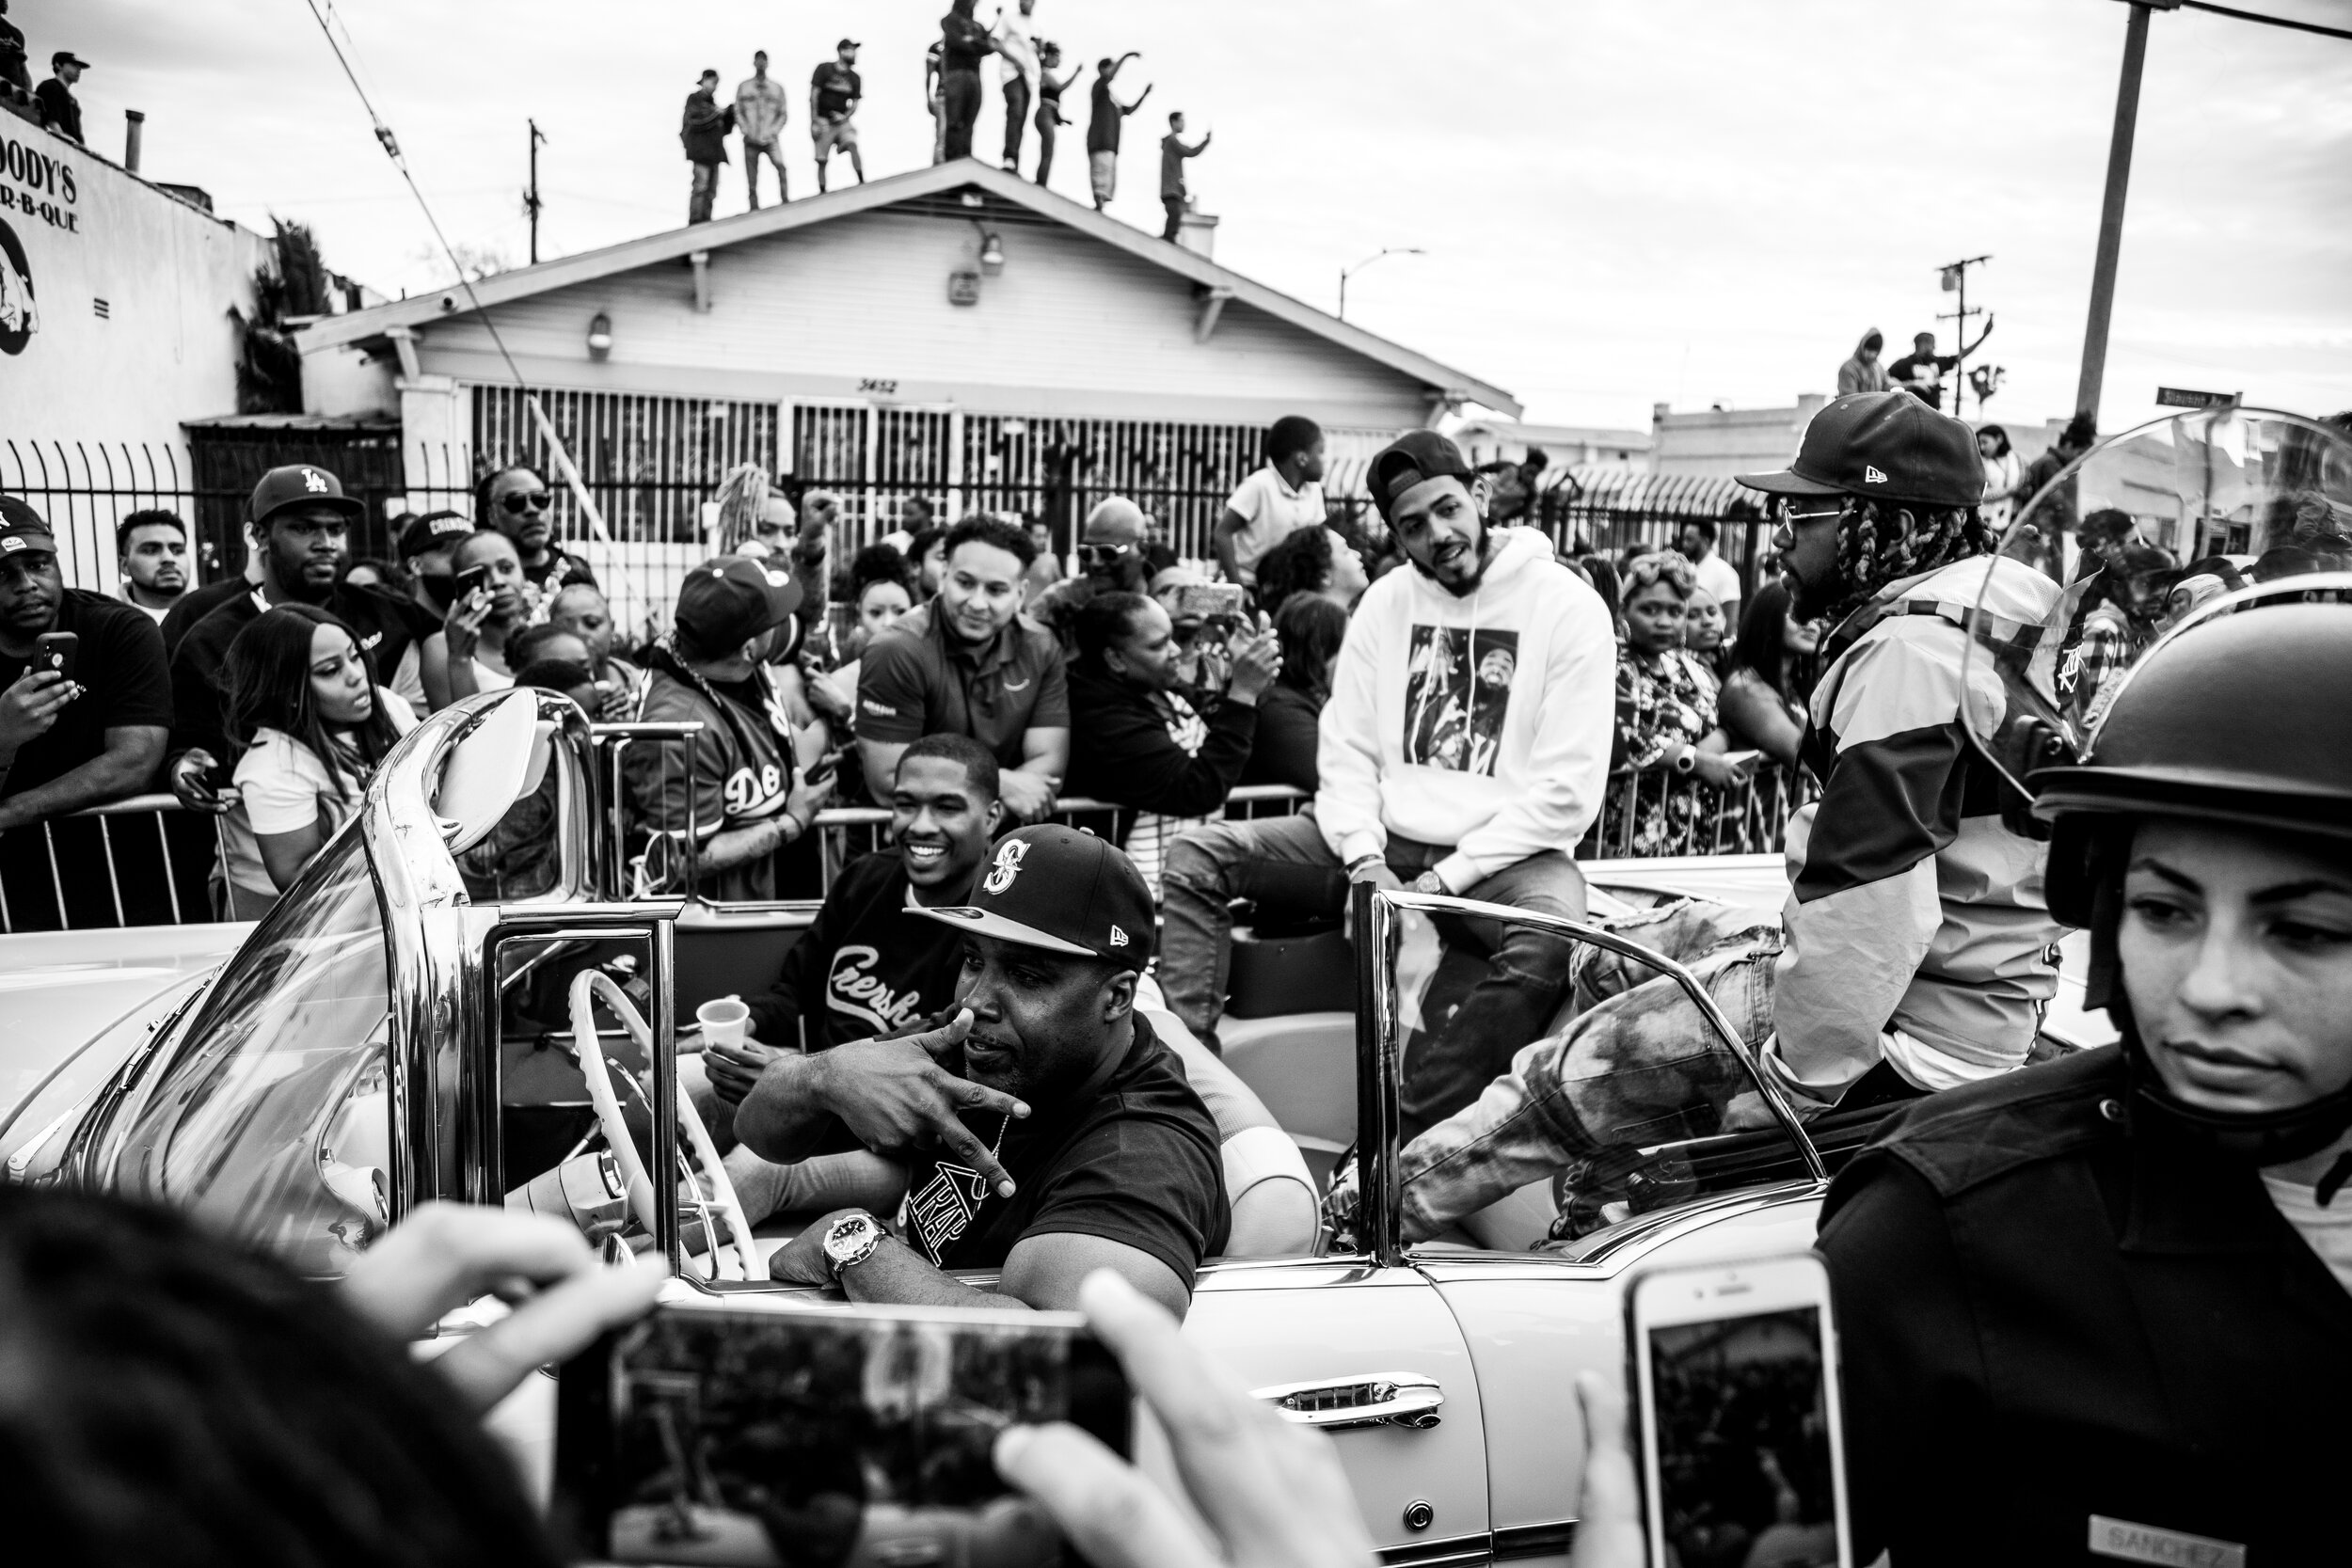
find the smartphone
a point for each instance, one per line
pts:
(1737, 1432)
(472, 579)
(56, 650)
(1746, 762)
(750, 1430)
(1208, 600)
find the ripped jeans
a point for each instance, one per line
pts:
(1639, 1065)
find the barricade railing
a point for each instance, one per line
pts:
(158, 859)
(1654, 813)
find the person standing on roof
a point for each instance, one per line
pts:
(1016, 55)
(963, 44)
(1050, 86)
(834, 91)
(1915, 951)
(1103, 121)
(703, 130)
(1173, 151)
(60, 109)
(14, 68)
(1922, 369)
(760, 111)
(1863, 372)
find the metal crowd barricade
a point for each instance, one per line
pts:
(1655, 814)
(118, 836)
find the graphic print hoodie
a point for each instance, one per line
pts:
(1481, 721)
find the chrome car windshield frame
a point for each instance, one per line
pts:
(1380, 1045)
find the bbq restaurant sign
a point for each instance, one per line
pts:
(38, 188)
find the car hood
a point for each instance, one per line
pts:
(61, 989)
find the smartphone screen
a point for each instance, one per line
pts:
(748, 1433)
(1743, 1454)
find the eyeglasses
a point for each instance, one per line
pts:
(1793, 517)
(519, 502)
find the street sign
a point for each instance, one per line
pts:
(2182, 397)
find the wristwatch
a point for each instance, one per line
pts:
(1429, 882)
(1687, 759)
(851, 1241)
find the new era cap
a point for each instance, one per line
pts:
(1062, 890)
(299, 484)
(1413, 458)
(23, 528)
(1882, 444)
(433, 532)
(730, 600)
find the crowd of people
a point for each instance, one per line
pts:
(1030, 78)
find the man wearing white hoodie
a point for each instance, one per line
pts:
(1465, 750)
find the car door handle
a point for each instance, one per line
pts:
(1367, 1399)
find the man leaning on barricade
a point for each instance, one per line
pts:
(84, 710)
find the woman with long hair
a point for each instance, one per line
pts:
(1309, 627)
(1666, 702)
(2002, 475)
(304, 703)
(1772, 674)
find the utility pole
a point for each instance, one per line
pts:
(1956, 278)
(530, 195)
(2111, 207)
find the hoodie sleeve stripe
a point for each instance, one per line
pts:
(1889, 804)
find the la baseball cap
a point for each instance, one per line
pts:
(1882, 444)
(432, 532)
(730, 599)
(299, 484)
(1413, 458)
(24, 529)
(1055, 887)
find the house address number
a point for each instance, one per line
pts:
(880, 388)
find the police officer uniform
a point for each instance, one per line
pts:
(2074, 1325)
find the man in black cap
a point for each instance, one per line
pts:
(60, 110)
(299, 521)
(1916, 949)
(426, 548)
(68, 741)
(1465, 750)
(1048, 1130)
(834, 91)
(739, 784)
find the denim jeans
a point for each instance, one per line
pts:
(705, 191)
(1283, 861)
(773, 151)
(959, 97)
(1638, 1065)
(1016, 119)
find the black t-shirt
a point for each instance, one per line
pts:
(966, 42)
(120, 660)
(1102, 120)
(837, 87)
(867, 966)
(1135, 1159)
(384, 626)
(196, 603)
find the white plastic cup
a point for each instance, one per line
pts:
(724, 1021)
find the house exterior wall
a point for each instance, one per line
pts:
(857, 309)
(1719, 442)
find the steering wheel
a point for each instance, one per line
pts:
(589, 987)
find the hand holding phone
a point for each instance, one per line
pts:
(57, 650)
(30, 706)
(1733, 1370)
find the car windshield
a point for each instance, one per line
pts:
(1624, 1097)
(271, 1121)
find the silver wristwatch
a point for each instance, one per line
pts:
(851, 1241)
(1429, 882)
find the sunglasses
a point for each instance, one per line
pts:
(1791, 516)
(519, 502)
(1096, 555)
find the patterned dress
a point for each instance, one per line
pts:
(1665, 700)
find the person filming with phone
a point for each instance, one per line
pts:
(1049, 1132)
(1666, 726)
(491, 603)
(85, 709)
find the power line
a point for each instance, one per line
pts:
(2321, 29)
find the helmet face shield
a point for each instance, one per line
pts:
(2147, 531)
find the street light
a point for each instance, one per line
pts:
(1346, 273)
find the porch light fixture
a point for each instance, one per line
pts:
(600, 336)
(992, 253)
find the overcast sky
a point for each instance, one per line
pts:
(1623, 201)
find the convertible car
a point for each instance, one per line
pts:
(436, 1010)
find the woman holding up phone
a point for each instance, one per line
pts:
(1666, 711)
(491, 603)
(304, 703)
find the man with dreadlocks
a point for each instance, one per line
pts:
(1914, 951)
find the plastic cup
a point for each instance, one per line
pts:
(724, 1021)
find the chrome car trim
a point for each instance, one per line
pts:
(1379, 1049)
(1452, 1550)
(1405, 1400)
(1554, 1540)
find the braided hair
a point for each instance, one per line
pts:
(1881, 542)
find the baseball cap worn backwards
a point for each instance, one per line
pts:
(299, 484)
(730, 599)
(1062, 890)
(1884, 445)
(1414, 458)
(24, 529)
(432, 533)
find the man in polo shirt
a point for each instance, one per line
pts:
(65, 743)
(1049, 1132)
(1284, 494)
(970, 664)
(300, 520)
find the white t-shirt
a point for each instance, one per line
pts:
(2327, 1231)
(1016, 52)
(1270, 511)
(283, 788)
(1722, 580)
